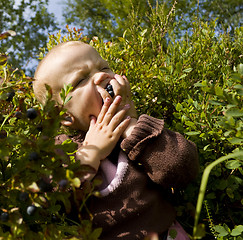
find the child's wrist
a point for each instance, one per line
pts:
(129, 128)
(88, 156)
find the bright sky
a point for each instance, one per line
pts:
(55, 6)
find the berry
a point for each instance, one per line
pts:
(3, 134)
(10, 96)
(111, 93)
(23, 196)
(1, 119)
(109, 89)
(4, 217)
(18, 114)
(31, 113)
(44, 186)
(35, 228)
(33, 156)
(63, 183)
(31, 210)
(135, 93)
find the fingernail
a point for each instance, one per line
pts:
(107, 99)
(118, 97)
(128, 117)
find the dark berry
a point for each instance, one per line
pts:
(31, 113)
(18, 115)
(5, 228)
(44, 186)
(35, 228)
(39, 127)
(33, 156)
(1, 119)
(3, 134)
(111, 93)
(63, 183)
(135, 93)
(4, 217)
(23, 196)
(55, 219)
(31, 210)
(109, 88)
(10, 96)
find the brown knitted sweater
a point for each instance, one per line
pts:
(152, 159)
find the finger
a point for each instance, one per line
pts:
(122, 126)
(104, 109)
(112, 110)
(116, 87)
(103, 93)
(92, 121)
(119, 116)
(120, 79)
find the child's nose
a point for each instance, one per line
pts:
(100, 77)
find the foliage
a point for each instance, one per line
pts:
(108, 19)
(194, 83)
(38, 178)
(32, 22)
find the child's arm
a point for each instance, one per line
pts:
(168, 158)
(103, 134)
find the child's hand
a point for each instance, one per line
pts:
(121, 87)
(104, 132)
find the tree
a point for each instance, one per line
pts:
(105, 18)
(31, 22)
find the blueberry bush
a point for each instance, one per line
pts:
(194, 83)
(38, 178)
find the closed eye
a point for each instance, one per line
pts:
(105, 68)
(79, 81)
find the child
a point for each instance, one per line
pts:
(137, 158)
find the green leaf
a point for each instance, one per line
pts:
(234, 112)
(172, 233)
(182, 76)
(233, 164)
(215, 102)
(187, 70)
(230, 192)
(189, 123)
(219, 91)
(240, 69)
(221, 230)
(67, 100)
(236, 140)
(193, 133)
(237, 230)
(178, 107)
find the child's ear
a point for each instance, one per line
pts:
(68, 120)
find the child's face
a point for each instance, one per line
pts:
(83, 68)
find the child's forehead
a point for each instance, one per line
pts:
(77, 51)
